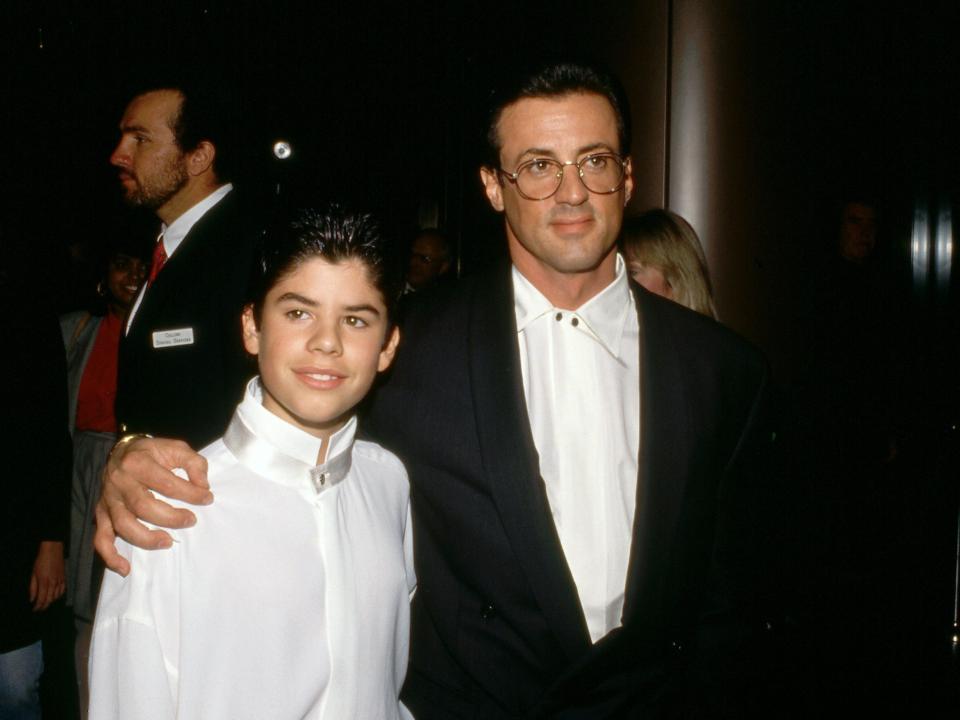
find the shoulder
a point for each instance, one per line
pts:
(429, 310)
(377, 457)
(228, 231)
(220, 462)
(69, 322)
(436, 322)
(234, 212)
(695, 334)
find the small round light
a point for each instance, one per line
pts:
(282, 150)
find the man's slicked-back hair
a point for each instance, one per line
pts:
(332, 234)
(555, 80)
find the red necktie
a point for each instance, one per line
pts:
(159, 258)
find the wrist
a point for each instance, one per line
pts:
(124, 440)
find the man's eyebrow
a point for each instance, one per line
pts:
(537, 151)
(134, 129)
(297, 297)
(606, 147)
(546, 152)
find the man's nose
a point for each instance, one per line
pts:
(572, 191)
(120, 157)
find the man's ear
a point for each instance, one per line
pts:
(389, 350)
(201, 158)
(492, 187)
(251, 336)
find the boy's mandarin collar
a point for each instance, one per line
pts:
(283, 453)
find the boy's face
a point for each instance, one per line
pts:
(321, 341)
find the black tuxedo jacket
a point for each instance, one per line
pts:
(190, 391)
(497, 626)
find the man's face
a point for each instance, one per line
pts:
(428, 261)
(858, 232)
(153, 168)
(573, 231)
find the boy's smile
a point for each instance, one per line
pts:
(321, 340)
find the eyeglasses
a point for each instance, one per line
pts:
(538, 179)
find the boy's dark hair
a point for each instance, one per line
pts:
(333, 234)
(554, 80)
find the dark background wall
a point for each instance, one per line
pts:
(749, 117)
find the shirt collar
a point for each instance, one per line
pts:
(604, 315)
(174, 233)
(274, 448)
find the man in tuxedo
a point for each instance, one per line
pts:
(182, 366)
(580, 452)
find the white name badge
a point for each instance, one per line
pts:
(173, 338)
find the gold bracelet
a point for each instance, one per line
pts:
(127, 438)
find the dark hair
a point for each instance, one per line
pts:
(333, 234)
(208, 111)
(551, 81)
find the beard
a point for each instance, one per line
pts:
(154, 190)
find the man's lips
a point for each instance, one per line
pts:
(319, 378)
(571, 224)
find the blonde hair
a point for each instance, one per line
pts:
(665, 241)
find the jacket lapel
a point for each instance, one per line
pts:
(511, 462)
(185, 267)
(665, 451)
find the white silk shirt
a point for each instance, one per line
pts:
(581, 382)
(289, 598)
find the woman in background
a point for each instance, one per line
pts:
(664, 255)
(92, 342)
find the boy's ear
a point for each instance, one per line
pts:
(389, 349)
(251, 336)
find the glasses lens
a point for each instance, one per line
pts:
(602, 173)
(539, 179)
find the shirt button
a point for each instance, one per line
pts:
(488, 612)
(574, 322)
(559, 317)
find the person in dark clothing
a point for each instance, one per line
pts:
(34, 513)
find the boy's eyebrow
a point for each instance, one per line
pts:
(303, 300)
(362, 308)
(296, 297)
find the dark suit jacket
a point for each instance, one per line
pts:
(497, 626)
(190, 391)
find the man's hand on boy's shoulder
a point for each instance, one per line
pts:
(134, 471)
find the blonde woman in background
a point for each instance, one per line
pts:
(664, 255)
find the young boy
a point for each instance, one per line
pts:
(290, 597)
